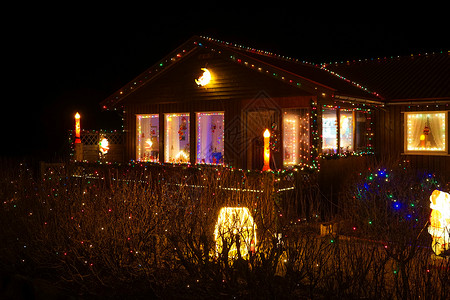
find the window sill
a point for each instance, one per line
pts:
(426, 153)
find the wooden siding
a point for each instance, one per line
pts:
(389, 139)
(234, 89)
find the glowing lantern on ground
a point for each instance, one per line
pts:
(266, 135)
(204, 79)
(235, 230)
(104, 146)
(439, 221)
(77, 128)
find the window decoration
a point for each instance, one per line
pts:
(426, 132)
(329, 131)
(177, 138)
(346, 131)
(210, 137)
(296, 137)
(147, 148)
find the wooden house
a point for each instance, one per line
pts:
(209, 102)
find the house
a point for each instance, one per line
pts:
(209, 102)
(413, 123)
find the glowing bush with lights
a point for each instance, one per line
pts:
(235, 232)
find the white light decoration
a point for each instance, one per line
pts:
(104, 146)
(147, 138)
(290, 139)
(235, 227)
(176, 139)
(439, 221)
(205, 78)
(426, 132)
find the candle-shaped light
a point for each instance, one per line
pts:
(77, 129)
(266, 150)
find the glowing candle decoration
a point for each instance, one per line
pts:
(439, 221)
(236, 228)
(205, 78)
(77, 129)
(266, 135)
(104, 145)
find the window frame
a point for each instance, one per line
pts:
(166, 139)
(425, 152)
(197, 115)
(139, 118)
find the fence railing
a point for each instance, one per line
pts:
(91, 148)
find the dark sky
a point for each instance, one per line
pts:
(60, 60)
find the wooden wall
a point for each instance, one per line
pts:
(389, 139)
(234, 89)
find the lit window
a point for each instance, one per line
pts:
(295, 137)
(147, 131)
(329, 131)
(426, 132)
(176, 138)
(346, 131)
(210, 137)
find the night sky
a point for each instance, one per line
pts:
(60, 60)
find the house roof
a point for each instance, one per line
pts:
(375, 81)
(411, 78)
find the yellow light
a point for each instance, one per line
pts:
(266, 135)
(104, 146)
(77, 128)
(204, 79)
(235, 226)
(439, 221)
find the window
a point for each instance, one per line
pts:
(147, 131)
(329, 131)
(426, 132)
(210, 137)
(346, 131)
(295, 137)
(176, 138)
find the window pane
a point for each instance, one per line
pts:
(210, 137)
(426, 131)
(361, 143)
(295, 137)
(346, 131)
(329, 131)
(177, 138)
(147, 129)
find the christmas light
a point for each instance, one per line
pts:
(147, 137)
(426, 132)
(177, 138)
(235, 226)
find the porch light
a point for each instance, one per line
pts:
(204, 79)
(266, 135)
(439, 221)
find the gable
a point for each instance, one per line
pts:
(229, 81)
(238, 74)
